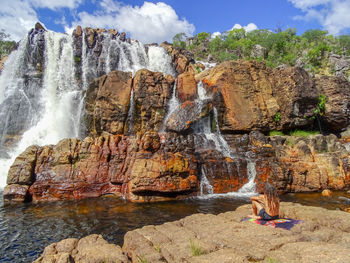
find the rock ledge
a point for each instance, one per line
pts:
(324, 236)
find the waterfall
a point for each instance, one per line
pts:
(173, 104)
(44, 106)
(249, 187)
(130, 117)
(204, 127)
(205, 186)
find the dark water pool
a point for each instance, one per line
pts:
(25, 229)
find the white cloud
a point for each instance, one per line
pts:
(19, 16)
(248, 28)
(151, 22)
(56, 4)
(215, 34)
(333, 15)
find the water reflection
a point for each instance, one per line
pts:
(25, 229)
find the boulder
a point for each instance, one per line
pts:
(107, 103)
(22, 170)
(188, 115)
(89, 249)
(259, 52)
(250, 96)
(341, 64)
(186, 87)
(337, 108)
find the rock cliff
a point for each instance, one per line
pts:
(141, 149)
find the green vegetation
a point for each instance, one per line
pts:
(196, 250)
(77, 59)
(6, 46)
(272, 260)
(297, 133)
(311, 49)
(157, 247)
(142, 259)
(321, 106)
(301, 133)
(277, 117)
(276, 133)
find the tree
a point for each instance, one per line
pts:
(315, 35)
(204, 36)
(6, 46)
(344, 42)
(179, 40)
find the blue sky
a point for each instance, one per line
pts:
(157, 21)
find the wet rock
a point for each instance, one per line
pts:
(122, 36)
(327, 192)
(188, 115)
(337, 108)
(22, 170)
(2, 62)
(39, 26)
(107, 103)
(186, 87)
(90, 249)
(181, 58)
(151, 95)
(16, 193)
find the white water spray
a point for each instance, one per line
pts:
(60, 97)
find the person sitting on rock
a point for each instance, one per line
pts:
(266, 206)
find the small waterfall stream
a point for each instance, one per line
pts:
(204, 127)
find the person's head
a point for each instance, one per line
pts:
(270, 191)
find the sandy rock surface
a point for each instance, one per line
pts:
(323, 236)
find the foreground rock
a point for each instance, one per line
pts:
(90, 249)
(323, 236)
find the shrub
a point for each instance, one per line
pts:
(196, 250)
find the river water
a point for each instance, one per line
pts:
(25, 229)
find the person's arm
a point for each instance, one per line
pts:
(258, 198)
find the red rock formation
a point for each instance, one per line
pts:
(249, 96)
(107, 103)
(151, 95)
(186, 87)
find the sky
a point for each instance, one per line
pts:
(158, 21)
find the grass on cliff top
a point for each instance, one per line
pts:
(296, 133)
(301, 133)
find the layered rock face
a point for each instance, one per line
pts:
(220, 238)
(249, 96)
(127, 155)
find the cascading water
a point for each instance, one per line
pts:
(45, 106)
(173, 104)
(205, 186)
(204, 127)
